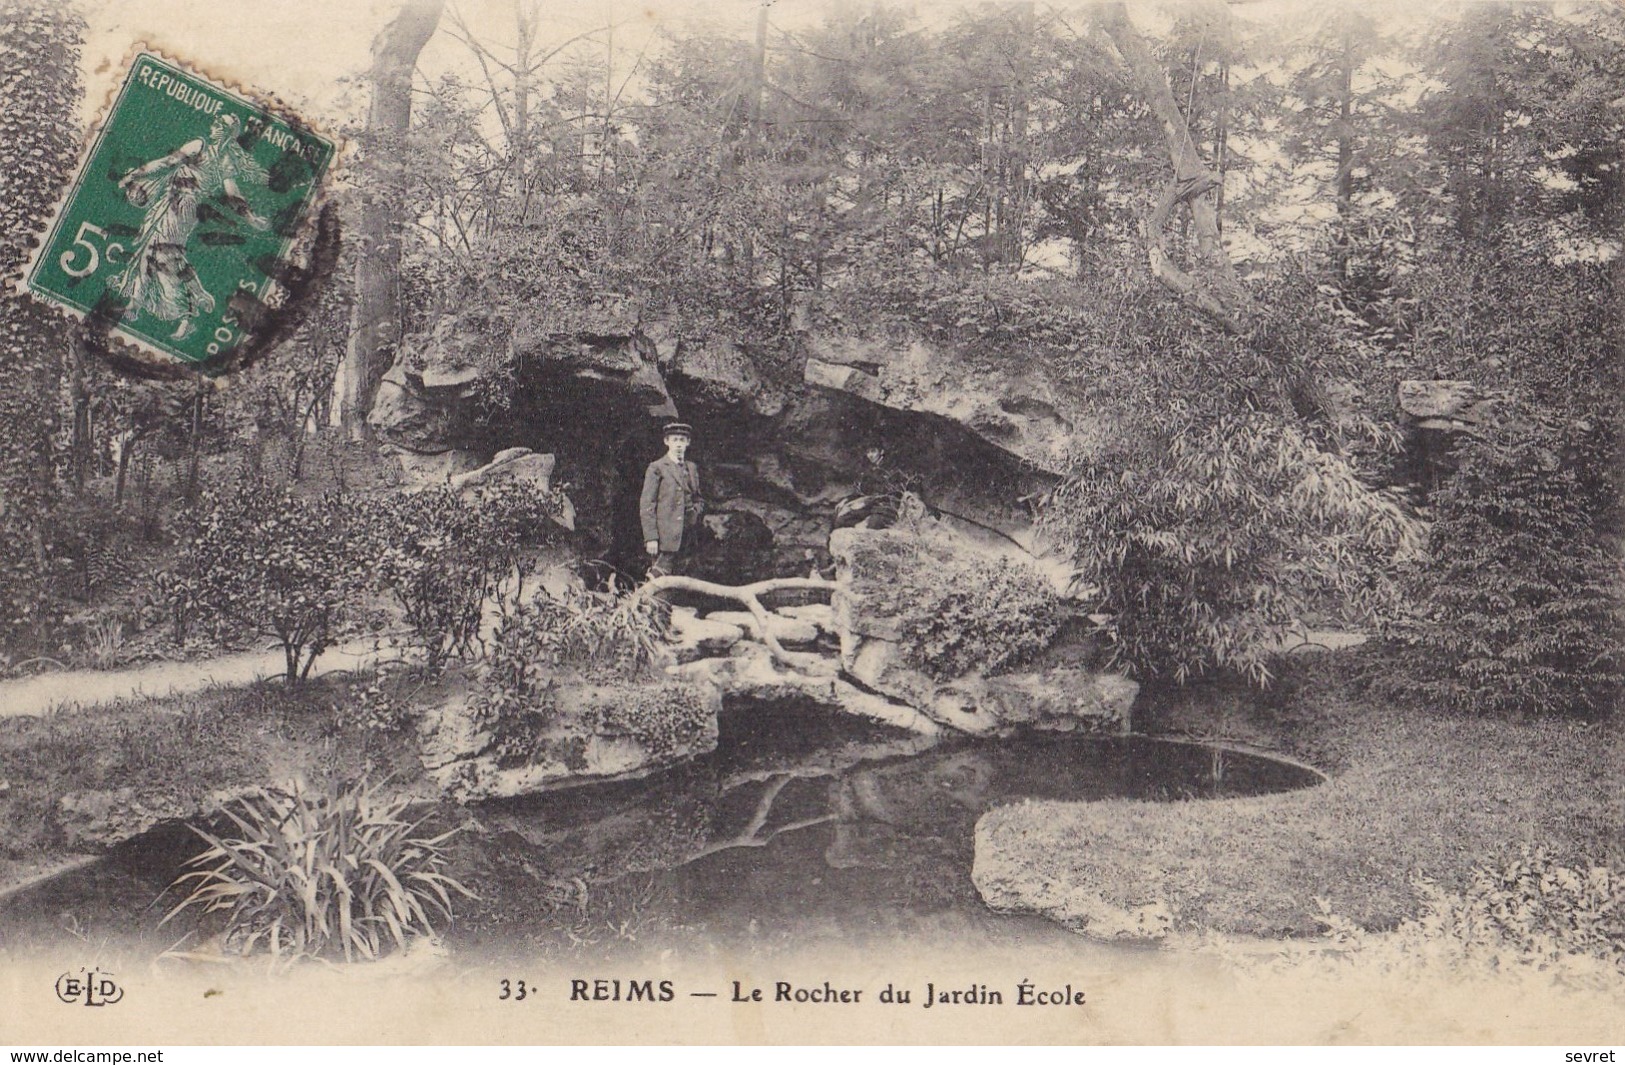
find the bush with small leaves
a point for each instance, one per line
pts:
(443, 556)
(580, 635)
(275, 564)
(376, 707)
(1534, 908)
(39, 135)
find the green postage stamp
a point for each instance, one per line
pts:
(177, 229)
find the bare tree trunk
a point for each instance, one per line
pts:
(194, 447)
(376, 325)
(1211, 286)
(82, 443)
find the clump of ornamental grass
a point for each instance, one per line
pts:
(315, 874)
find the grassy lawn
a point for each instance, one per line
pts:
(1412, 794)
(75, 774)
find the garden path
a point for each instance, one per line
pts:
(94, 687)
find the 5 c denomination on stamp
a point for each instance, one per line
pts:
(176, 231)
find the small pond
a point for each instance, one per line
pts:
(799, 830)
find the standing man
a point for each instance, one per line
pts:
(671, 504)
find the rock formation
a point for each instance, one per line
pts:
(1018, 413)
(589, 730)
(778, 454)
(787, 462)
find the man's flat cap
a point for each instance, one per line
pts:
(678, 429)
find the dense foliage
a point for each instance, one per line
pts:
(39, 96)
(1214, 540)
(578, 633)
(442, 556)
(982, 617)
(579, 637)
(271, 562)
(1536, 910)
(1527, 911)
(1519, 607)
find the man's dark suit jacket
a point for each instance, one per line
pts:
(671, 498)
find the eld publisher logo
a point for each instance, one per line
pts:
(93, 988)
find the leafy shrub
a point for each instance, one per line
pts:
(311, 874)
(1535, 909)
(274, 564)
(1518, 607)
(596, 633)
(1208, 542)
(580, 634)
(665, 718)
(1529, 912)
(441, 557)
(170, 597)
(518, 680)
(981, 618)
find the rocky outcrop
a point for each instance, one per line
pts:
(586, 731)
(880, 576)
(1018, 412)
(1450, 406)
(94, 819)
(722, 373)
(750, 671)
(454, 388)
(777, 455)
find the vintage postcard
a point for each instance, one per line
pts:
(786, 521)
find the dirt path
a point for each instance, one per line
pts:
(93, 687)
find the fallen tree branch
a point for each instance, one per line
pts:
(749, 595)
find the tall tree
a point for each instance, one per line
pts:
(1210, 284)
(376, 325)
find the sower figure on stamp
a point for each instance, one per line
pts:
(671, 505)
(160, 279)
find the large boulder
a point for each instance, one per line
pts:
(724, 373)
(1018, 412)
(1451, 406)
(97, 818)
(611, 353)
(425, 402)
